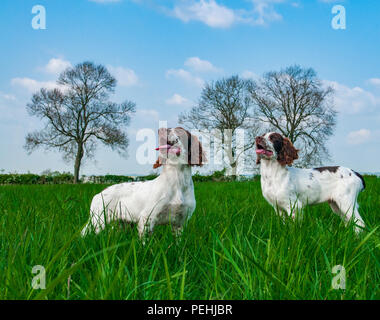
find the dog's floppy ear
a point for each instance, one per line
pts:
(196, 154)
(288, 153)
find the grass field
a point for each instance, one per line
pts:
(234, 247)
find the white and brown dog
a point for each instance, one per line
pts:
(290, 189)
(168, 199)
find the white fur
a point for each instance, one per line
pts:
(290, 189)
(168, 199)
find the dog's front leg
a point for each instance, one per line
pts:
(177, 230)
(144, 227)
(294, 209)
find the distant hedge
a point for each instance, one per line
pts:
(221, 176)
(67, 178)
(29, 178)
(112, 179)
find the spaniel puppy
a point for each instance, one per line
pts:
(290, 189)
(168, 199)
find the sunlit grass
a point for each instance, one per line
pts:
(234, 247)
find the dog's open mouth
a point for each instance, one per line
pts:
(169, 148)
(261, 150)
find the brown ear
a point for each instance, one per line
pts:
(288, 153)
(158, 163)
(196, 154)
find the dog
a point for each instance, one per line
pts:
(168, 199)
(290, 189)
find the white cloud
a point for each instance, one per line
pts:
(353, 100)
(148, 113)
(358, 137)
(32, 85)
(185, 76)
(219, 16)
(247, 74)
(206, 11)
(200, 65)
(264, 12)
(178, 100)
(375, 82)
(56, 66)
(216, 15)
(194, 64)
(125, 77)
(8, 97)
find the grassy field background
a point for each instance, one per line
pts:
(234, 247)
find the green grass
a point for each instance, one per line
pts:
(234, 247)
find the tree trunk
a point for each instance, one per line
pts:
(231, 156)
(233, 170)
(78, 160)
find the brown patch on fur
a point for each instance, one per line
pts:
(288, 153)
(196, 153)
(330, 169)
(157, 163)
(277, 141)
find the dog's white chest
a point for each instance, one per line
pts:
(177, 210)
(274, 190)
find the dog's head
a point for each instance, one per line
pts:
(273, 146)
(178, 146)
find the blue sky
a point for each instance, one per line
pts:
(162, 52)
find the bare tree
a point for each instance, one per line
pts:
(78, 114)
(225, 106)
(295, 103)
